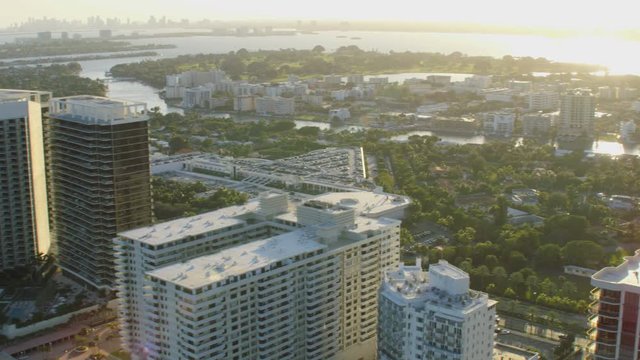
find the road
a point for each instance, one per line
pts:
(107, 343)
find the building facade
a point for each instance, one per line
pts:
(577, 113)
(24, 222)
(537, 124)
(264, 280)
(543, 100)
(99, 181)
(500, 124)
(433, 316)
(275, 105)
(615, 323)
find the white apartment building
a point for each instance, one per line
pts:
(244, 103)
(197, 97)
(379, 80)
(177, 84)
(265, 280)
(356, 79)
(499, 124)
(443, 80)
(607, 92)
(577, 113)
(628, 131)
(536, 124)
(341, 114)
(313, 99)
(340, 95)
(543, 100)
(429, 109)
(615, 325)
(433, 316)
(275, 105)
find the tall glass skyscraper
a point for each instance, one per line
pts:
(24, 223)
(99, 181)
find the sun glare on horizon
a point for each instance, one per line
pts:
(546, 13)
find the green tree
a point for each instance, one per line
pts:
(233, 66)
(583, 253)
(178, 143)
(548, 256)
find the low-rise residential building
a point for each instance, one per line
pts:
(443, 80)
(340, 95)
(434, 315)
(332, 79)
(341, 114)
(378, 80)
(313, 99)
(429, 109)
(355, 79)
(275, 105)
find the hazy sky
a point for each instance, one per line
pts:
(578, 14)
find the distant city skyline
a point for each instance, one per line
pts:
(546, 13)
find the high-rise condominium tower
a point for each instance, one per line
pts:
(577, 112)
(260, 281)
(100, 181)
(434, 316)
(615, 320)
(24, 223)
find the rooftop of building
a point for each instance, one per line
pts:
(579, 92)
(41, 97)
(445, 269)
(364, 203)
(625, 274)
(370, 205)
(98, 110)
(239, 260)
(510, 352)
(334, 166)
(177, 229)
(412, 285)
